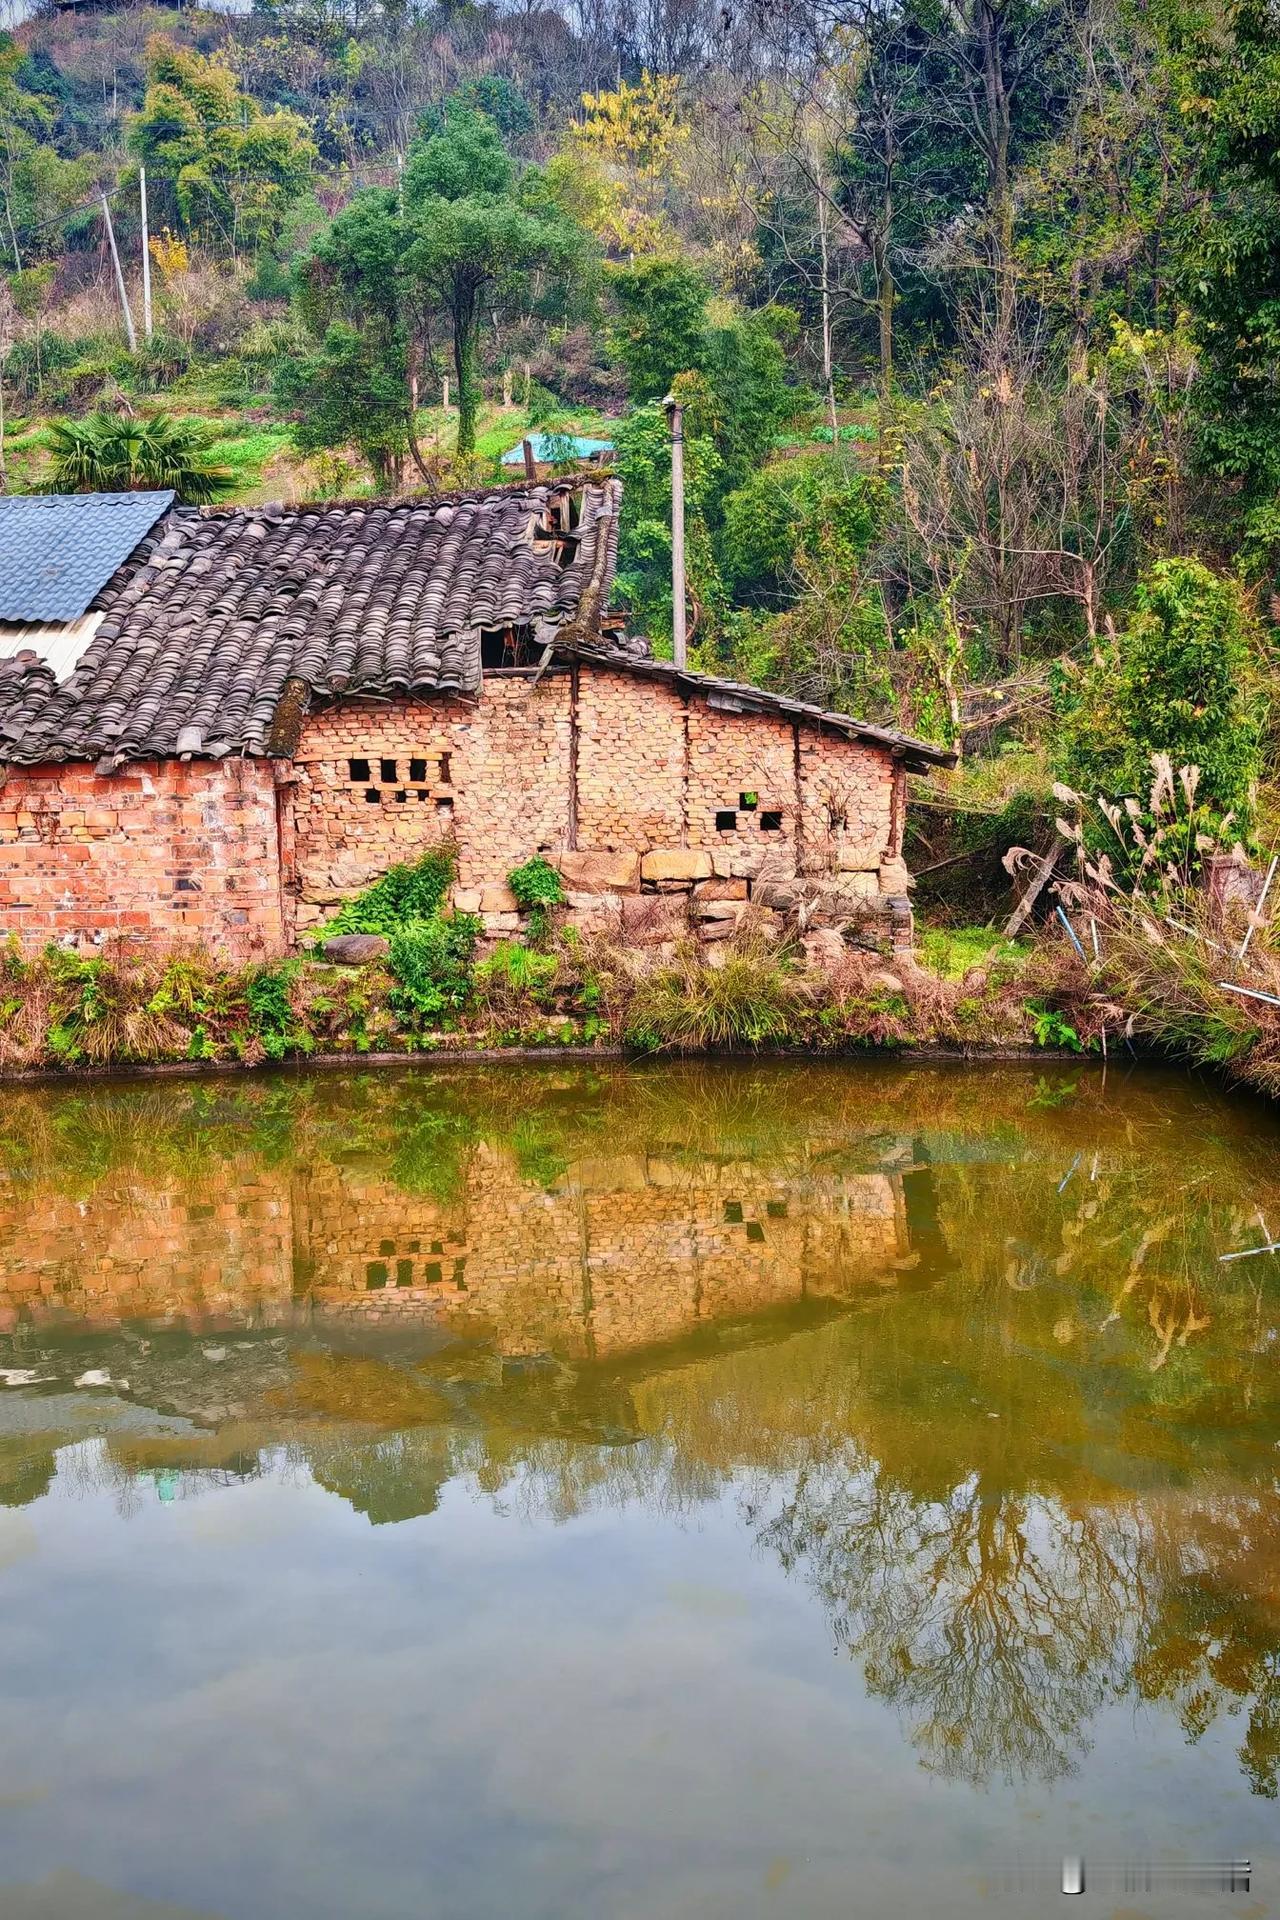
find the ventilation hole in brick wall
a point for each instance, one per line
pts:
(433, 1273)
(770, 822)
(733, 1212)
(755, 1232)
(776, 1209)
(437, 1246)
(748, 802)
(445, 775)
(412, 1246)
(388, 771)
(372, 795)
(417, 769)
(459, 1271)
(404, 1273)
(402, 796)
(726, 821)
(444, 805)
(386, 1246)
(375, 1275)
(358, 770)
(456, 1240)
(423, 793)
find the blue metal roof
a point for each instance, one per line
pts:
(58, 550)
(557, 447)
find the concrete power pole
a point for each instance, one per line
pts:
(675, 413)
(146, 254)
(115, 261)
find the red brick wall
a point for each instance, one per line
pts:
(600, 761)
(163, 849)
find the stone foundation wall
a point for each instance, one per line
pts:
(161, 849)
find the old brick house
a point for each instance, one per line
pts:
(219, 723)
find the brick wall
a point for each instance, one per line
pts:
(594, 761)
(247, 855)
(164, 849)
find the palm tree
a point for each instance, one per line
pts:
(111, 453)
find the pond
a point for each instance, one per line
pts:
(704, 1490)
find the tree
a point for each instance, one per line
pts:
(478, 235)
(112, 453)
(352, 294)
(660, 328)
(234, 169)
(36, 184)
(1232, 269)
(1177, 682)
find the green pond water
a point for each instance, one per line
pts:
(717, 1491)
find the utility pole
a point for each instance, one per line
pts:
(675, 413)
(115, 261)
(146, 254)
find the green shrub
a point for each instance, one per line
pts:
(431, 960)
(1178, 682)
(537, 888)
(273, 1021)
(403, 895)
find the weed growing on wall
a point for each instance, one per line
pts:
(403, 895)
(537, 887)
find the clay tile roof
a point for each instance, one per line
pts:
(216, 609)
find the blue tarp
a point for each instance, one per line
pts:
(557, 448)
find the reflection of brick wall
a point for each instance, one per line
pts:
(215, 1256)
(179, 851)
(627, 1251)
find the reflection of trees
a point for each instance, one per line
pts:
(991, 1473)
(994, 1625)
(1211, 1645)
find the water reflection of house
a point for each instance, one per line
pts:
(623, 1252)
(619, 1252)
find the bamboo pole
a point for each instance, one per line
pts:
(115, 261)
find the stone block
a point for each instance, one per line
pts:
(676, 864)
(498, 899)
(730, 911)
(468, 899)
(354, 949)
(720, 888)
(586, 872)
(858, 859)
(824, 950)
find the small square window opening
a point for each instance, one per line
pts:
(388, 771)
(417, 769)
(770, 822)
(358, 770)
(726, 821)
(748, 802)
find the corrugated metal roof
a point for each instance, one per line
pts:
(58, 550)
(58, 643)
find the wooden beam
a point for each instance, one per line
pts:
(1038, 882)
